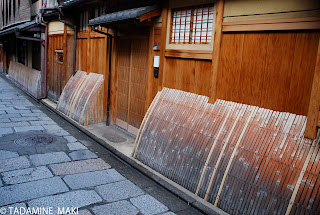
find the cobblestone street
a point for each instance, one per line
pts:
(46, 163)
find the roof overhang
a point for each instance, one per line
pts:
(28, 26)
(140, 13)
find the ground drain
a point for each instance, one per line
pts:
(35, 140)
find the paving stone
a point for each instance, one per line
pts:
(29, 128)
(14, 163)
(18, 111)
(10, 115)
(1, 183)
(70, 139)
(75, 167)
(33, 114)
(91, 179)
(42, 122)
(74, 199)
(12, 209)
(52, 127)
(84, 212)
(76, 146)
(36, 111)
(5, 120)
(13, 124)
(119, 190)
(82, 154)
(4, 131)
(26, 175)
(23, 119)
(8, 154)
(2, 112)
(58, 132)
(121, 207)
(49, 158)
(148, 205)
(30, 190)
(168, 213)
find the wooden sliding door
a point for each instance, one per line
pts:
(132, 65)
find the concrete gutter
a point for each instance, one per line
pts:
(186, 195)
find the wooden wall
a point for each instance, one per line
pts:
(272, 70)
(93, 57)
(57, 78)
(187, 74)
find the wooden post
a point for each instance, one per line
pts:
(314, 104)
(65, 59)
(164, 15)
(216, 50)
(150, 69)
(113, 81)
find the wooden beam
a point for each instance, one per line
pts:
(113, 82)
(193, 54)
(313, 111)
(164, 16)
(149, 15)
(216, 50)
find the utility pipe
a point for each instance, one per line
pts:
(45, 51)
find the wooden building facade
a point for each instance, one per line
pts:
(253, 52)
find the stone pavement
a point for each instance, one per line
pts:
(49, 167)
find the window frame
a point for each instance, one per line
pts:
(193, 29)
(208, 47)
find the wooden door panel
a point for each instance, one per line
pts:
(278, 70)
(302, 72)
(230, 67)
(252, 67)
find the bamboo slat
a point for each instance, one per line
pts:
(242, 158)
(82, 98)
(26, 78)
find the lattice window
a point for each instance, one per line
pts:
(191, 25)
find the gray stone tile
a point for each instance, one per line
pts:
(29, 128)
(10, 115)
(84, 212)
(58, 132)
(74, 199)
(14, 163)
(70, 139)
(30, 190)
(13, 124)
(49, 158)
(32, 114)
(82, 154)
(23, 119)
(119, 190)
(8, 154)
(11, 208)
(91, 179)
(76, 146)
(36, 111)
(52, 127)
(168, 213)
(4, 131)
(2, 112)
(26, 175)
(42, 122)
(116, 208)
(75, 167)
(1, 183)
(18, 111)
(148, 205)
(7, 119)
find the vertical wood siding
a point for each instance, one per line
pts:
(271, 70)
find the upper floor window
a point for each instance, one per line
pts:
(191, 25)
